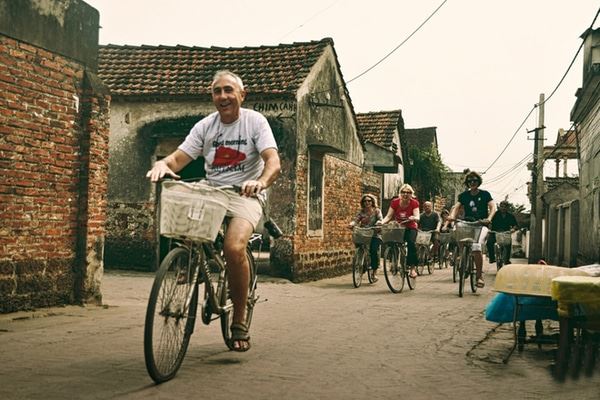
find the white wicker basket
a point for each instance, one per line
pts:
(445, 237)
(503, 238)
(423, 238)
(392, 233)
(466, 231)
(191, 210)
(362, 235)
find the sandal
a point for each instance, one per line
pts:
(239, 335)
(413, 274)
(480, 283)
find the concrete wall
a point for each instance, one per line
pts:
(66, 27)
(589, 186)
(53, 159)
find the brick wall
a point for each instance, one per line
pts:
(53, 168)
(316, 257)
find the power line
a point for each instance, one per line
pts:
(574, 59)
(310, 19)
(397, 47)
(387, 55)
(511, 139)
(552, 93)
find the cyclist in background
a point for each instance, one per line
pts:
(239, 149)
(405, 210)
(368, 216)
(430, 220)
(502, 221)
(477, 205)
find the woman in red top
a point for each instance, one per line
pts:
(405, 210)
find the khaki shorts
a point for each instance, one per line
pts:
(248, 208)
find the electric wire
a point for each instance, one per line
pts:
(310, 19)
(400, 45)
(387, 55)
(552, 93)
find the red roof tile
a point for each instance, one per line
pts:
(379, 127)
(158, 71)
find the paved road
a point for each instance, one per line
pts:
(318, 340)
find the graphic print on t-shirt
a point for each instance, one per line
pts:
(228, 158)
(225, 156)
(473, 207)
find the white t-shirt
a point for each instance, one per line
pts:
(231, 151)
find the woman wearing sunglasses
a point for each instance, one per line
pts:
(477, 205)
(405, 210)
(368, 216)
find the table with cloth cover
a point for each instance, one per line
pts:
(524, 293)
(578, 301)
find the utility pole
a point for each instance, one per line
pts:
(537, 188)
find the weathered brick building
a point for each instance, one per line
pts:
(53, 154)
(386, 152)
(159, 92)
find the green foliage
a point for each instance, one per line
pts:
(426, 172)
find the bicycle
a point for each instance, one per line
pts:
(361, 262)
(502, 248)
(444, 253)
(424, 247)
(191, 215)
(465, 233)
(395, 268)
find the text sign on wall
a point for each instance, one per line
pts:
(286, 108)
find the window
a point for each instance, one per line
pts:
(315, 194)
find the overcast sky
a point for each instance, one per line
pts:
(474, 70)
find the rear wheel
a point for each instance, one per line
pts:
(357, 266)
(227, 314)
(420, 259)
(170, 315)
(393, 272)
(442, 257)
(429, 261)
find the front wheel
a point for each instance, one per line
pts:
(472, 274)
(499, 256)
(227, 303)
(357, 266)
(463, 269)
(412, 282)
(170, 315)
(394, 273)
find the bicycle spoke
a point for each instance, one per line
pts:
(170, 315)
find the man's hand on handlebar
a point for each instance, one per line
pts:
(252, 188)
(159, 171)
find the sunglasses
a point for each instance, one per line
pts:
(472, 181)
(406, 192)
(369, 200)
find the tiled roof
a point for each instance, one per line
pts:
(565, 146)
(566, 138)
(379, 127)
(157, 71)
(423, 138)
